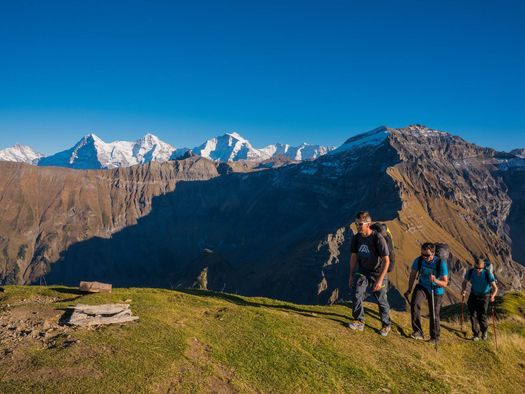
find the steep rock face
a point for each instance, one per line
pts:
(261, 230)
(262, 223)
(45, 210)
(457, 184)
(512, 171)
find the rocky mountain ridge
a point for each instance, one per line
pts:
(275, 231)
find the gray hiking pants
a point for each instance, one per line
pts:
(362, 287)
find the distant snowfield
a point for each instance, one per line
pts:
(371, 138)
(21, 154)
(91, 152)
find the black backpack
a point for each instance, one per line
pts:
(382, 229)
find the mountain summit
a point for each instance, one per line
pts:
(277, 231)
(93, 153)
(228, 147)
(21, 154)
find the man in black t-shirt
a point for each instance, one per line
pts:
(369, 263)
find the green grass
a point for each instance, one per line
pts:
(197, 341)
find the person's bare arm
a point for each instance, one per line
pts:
(411, 281)
(441, 282)
(493, 291)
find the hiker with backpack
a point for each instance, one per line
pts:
(483, 289)
(432, 274)
(369, 262)
(382, 229)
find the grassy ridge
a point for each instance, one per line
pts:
(194, 341)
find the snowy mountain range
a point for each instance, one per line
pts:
(21, 154)
(91, 152)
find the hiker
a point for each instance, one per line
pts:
(368, 268)
(483, 288)
(432, 275)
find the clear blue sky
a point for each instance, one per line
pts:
(288, 71)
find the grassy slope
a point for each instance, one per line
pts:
(201, 342)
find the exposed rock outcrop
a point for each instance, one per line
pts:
(279, 231)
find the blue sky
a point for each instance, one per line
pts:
(287, 71)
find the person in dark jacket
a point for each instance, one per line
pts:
(369, 260)
(482, 290)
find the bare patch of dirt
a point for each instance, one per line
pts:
(29, 324)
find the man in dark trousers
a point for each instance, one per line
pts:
(368, 268)
(432, 276)
(483, 288)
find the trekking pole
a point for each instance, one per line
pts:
(462, 304)
(433, 314)
(494, 325)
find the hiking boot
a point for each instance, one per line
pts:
(475, 338)
(433, 341)
(485, 335)
(357, 326)
(384, 331)
(416, 335)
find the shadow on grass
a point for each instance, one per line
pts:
(336, 317)
(242, 302)
(66, 290)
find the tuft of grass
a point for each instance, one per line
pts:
(198, 341)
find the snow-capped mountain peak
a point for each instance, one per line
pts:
(371, 138)
(20, 153)
(236, 136)
(304, 151)
(229, 147)
(91, 152)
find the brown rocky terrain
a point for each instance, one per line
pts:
(279, 231)
(45, 210)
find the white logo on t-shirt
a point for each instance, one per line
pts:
(364, 249)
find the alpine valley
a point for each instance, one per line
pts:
(268, 222)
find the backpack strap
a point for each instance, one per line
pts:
(469, 273)
(376, 247)
(419, 265)
(487, 276)
(438, 266)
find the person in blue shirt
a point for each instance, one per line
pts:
(432, 276)
(483, 288)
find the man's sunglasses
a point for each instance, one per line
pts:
(361, 223)
(425, 255)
